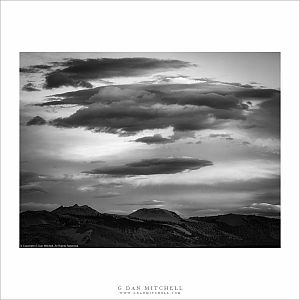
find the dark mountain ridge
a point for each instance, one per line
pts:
(147, 227)
(83, 210)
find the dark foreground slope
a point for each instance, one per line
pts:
(84, 227)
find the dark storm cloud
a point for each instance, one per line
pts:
(80, 97)
(128, 109)
(257, 93)
(78, 72)
(246, 91)
(35, 68)
(29, 87)
(58, 78)
(36, 121)
(196, 98)
(207, 95)
(155, 139)
(132, 108)
(153, 166)
(128, 119)
(266, 120)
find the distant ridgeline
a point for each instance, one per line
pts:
(83, 226)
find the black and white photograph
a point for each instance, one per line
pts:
(149, 150)
(155, 150)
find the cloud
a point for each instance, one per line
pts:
(80, 97)
(77, 72)
(29, 87)
(128, 118)
(128, 109)
(107, 195)
(100, 186)
(155, 139)
(36, 121)
(266, 206)
(236, 84)
(31, 182)
(197, 98)
(31, 189)
(27, 178)
(152, 202)
(159, 79)
(152, 166)
(58, 78)
(221, 135)
(35, 68)
(210, 95)
(108, 184)
(194, 143)
(238, 175)
(272, 197)
(265, 119)
(261, 209)
(86, 188)
(194, 211)
(144, 203)
(38, 206)
(257, 93)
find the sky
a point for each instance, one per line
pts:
(195, 133)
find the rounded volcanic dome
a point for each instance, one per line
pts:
(156, 214)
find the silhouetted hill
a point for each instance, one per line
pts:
(85, 227)
(156, 214)
(77, 210)
(247, 227)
